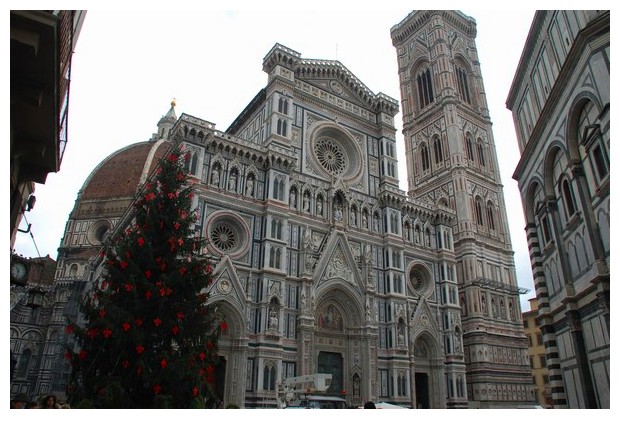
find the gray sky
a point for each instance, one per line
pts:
(129, 65)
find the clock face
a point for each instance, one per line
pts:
(19, 271)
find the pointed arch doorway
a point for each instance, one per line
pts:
(338, 342)
(427, 373)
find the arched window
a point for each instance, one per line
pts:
(463, 86)
(491, 217)
(478, 209)
(437, 149)
(460, 388)
(426, 163)
(278, 189)
(269, 378)
(588, 135)
(480, 147)
(275, 228)
(567, 195)
(425, 87)
(470, 148)
(274, 257)
(193, 163)
(283, 106)
(282, 127)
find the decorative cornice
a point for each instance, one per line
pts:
(418, 18)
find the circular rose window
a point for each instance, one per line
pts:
(224, 237)
(228, 234)
(334, 151)
(416, 279)
(419, 280)
(330, 155)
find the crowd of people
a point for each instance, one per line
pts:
(49, 401)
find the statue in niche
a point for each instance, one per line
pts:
(401, 334)
(356, 386)
(215, 176)
(457, 340)
(338, 213)
(353, 218)
(319, 207)
(303, 300)
(306, 203)
(232, 181)
(368, 254)
(307, 240)
(293, 198)
(249, 186)
(273, 320)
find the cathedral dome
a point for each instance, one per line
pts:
(135, 162)
(112, 185)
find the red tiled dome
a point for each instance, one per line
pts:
(119, 175)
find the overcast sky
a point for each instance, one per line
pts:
(128, 65)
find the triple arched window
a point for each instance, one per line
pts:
(425, 87)
(462, 83)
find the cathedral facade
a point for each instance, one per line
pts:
(321, 262)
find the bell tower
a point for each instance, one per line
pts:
(452, 161)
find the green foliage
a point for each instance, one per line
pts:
(150, 336)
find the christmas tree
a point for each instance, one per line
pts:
(150, 335)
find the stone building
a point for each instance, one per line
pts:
(322, 262)
(37, 315)
(538, 356)
(560, 99)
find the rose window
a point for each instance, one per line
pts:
(416, 279)
(224, 237)
(330, 155)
